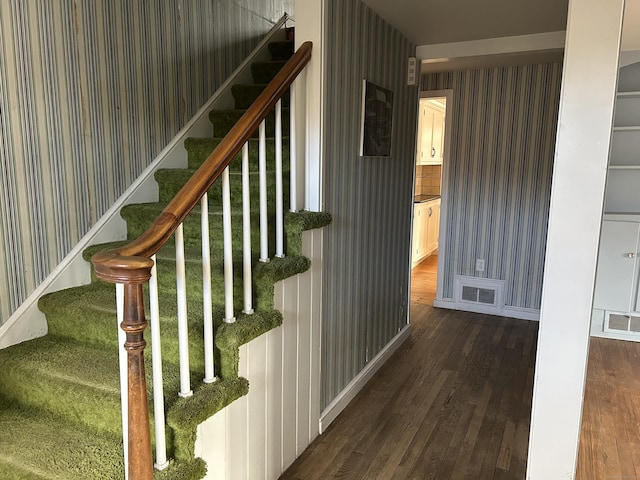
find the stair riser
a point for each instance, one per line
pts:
(245, 95)
(198, 149)
(264, 72)
(281, 50)
(223, 120)
(170, 182)
(138, 221)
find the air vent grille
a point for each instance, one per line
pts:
(622, 323)
(475, 294)
(486, 296)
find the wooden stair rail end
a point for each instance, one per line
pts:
(131, 264)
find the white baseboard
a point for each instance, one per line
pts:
(506, 311)
(351, 390)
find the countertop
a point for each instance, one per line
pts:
(424, 198)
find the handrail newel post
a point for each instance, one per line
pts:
(133, 273)
(134, 324)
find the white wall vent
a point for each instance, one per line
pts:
(622, 323)
(483, 295)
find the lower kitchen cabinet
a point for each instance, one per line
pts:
(426, 226)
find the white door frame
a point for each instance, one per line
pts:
(442, 239)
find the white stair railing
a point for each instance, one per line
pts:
(207, 300)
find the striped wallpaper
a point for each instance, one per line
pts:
(366, 249)
(503, 141)
(90, 92)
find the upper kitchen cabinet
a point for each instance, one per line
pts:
(431, 131)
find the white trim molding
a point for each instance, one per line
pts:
(493, 46)
(351, 390)
(530, 314)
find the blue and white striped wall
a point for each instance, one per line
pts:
(503, 122)
(90, 92)
(366, 248)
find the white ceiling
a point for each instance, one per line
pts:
(427, 22)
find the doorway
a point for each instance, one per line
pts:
(432, 147)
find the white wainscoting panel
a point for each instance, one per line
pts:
(260, 435)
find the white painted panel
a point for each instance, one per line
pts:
(211, 444)
(274, 403)
(615, 285)
(289, 309)
(304, 362)
(261, 434)
(312, 247)
(257, 399)
(237, 429)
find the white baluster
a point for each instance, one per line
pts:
(293, 164)
(246, 233)
(207, 302)
(183, 329)
(279, 189)
(228, 252)
(156, 361)
(262, 167)
(124, 375)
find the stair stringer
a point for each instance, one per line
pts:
(28, 322)
(260, 435)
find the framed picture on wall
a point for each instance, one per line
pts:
(377, 116)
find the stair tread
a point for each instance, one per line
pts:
(63, 451)
(36, 445)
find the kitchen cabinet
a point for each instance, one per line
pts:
(616, 282)
(426, 226)
(616, 300)
(430, 134)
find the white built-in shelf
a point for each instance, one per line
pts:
(630, 128)
(624, 167)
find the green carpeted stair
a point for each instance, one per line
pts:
(60, 398)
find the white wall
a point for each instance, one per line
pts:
(582, 147)
(258, 436)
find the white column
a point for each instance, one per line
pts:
(582, 148)
(293, 143)
(310, 25)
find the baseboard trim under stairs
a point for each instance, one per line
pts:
(351, 390)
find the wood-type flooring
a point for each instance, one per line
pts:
(610, 434)
(452, 403)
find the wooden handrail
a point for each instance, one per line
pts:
(131, 264)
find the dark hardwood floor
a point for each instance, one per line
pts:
(452, 403)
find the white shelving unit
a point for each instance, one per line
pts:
(623, 180)
(616, 309)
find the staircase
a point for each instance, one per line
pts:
(60, 401)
